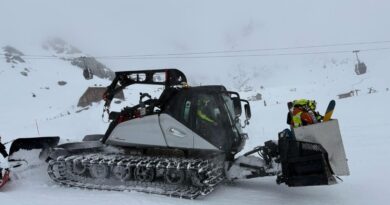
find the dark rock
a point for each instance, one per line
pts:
(95, 67)
(13, 55)
(24, 73)
(12, 51)
(62, 83)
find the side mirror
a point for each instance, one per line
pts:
(248, 113)
(237, 106)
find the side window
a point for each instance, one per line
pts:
(179, 107)
(208, 109)
(208, 119)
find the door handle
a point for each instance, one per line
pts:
(177, 132)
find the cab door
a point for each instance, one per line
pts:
(180, 125)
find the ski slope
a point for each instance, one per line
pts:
(172, 26)
(363, 121)
(366, 144)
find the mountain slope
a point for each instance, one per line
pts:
(366, 144)
(37, 91)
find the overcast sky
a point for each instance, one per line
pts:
(125, 27)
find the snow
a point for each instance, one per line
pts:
(366, 143)
(364, 119)
(237, 172)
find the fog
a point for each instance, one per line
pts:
(123, 27)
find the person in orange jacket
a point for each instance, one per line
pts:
(303, 113)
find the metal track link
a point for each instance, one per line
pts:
(117, 172)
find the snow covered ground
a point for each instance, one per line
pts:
(364, 126)
(31, 97)
(366, 144)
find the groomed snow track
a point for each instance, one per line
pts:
(174, 177)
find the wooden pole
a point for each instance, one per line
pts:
(36, 124)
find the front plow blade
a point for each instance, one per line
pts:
(33, 143)
(26, 151)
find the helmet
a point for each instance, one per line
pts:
(300, 103)
(307, 104)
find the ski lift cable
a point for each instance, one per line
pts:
(238, 51)
(36, 57)
(234, 51)
(232, 56)
(249, 55)
(238, 56)
(259, 49)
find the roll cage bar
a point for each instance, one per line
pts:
(166, 77)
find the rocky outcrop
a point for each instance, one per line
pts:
(13, 55)
(97, 68)
(65, 51)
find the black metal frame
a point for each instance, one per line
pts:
(304, 164)
(173, 77)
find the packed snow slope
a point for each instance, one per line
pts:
(364, 127)
(366, 144)
(40, 91)
(36, 102)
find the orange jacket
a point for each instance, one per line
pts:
(305, 116)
